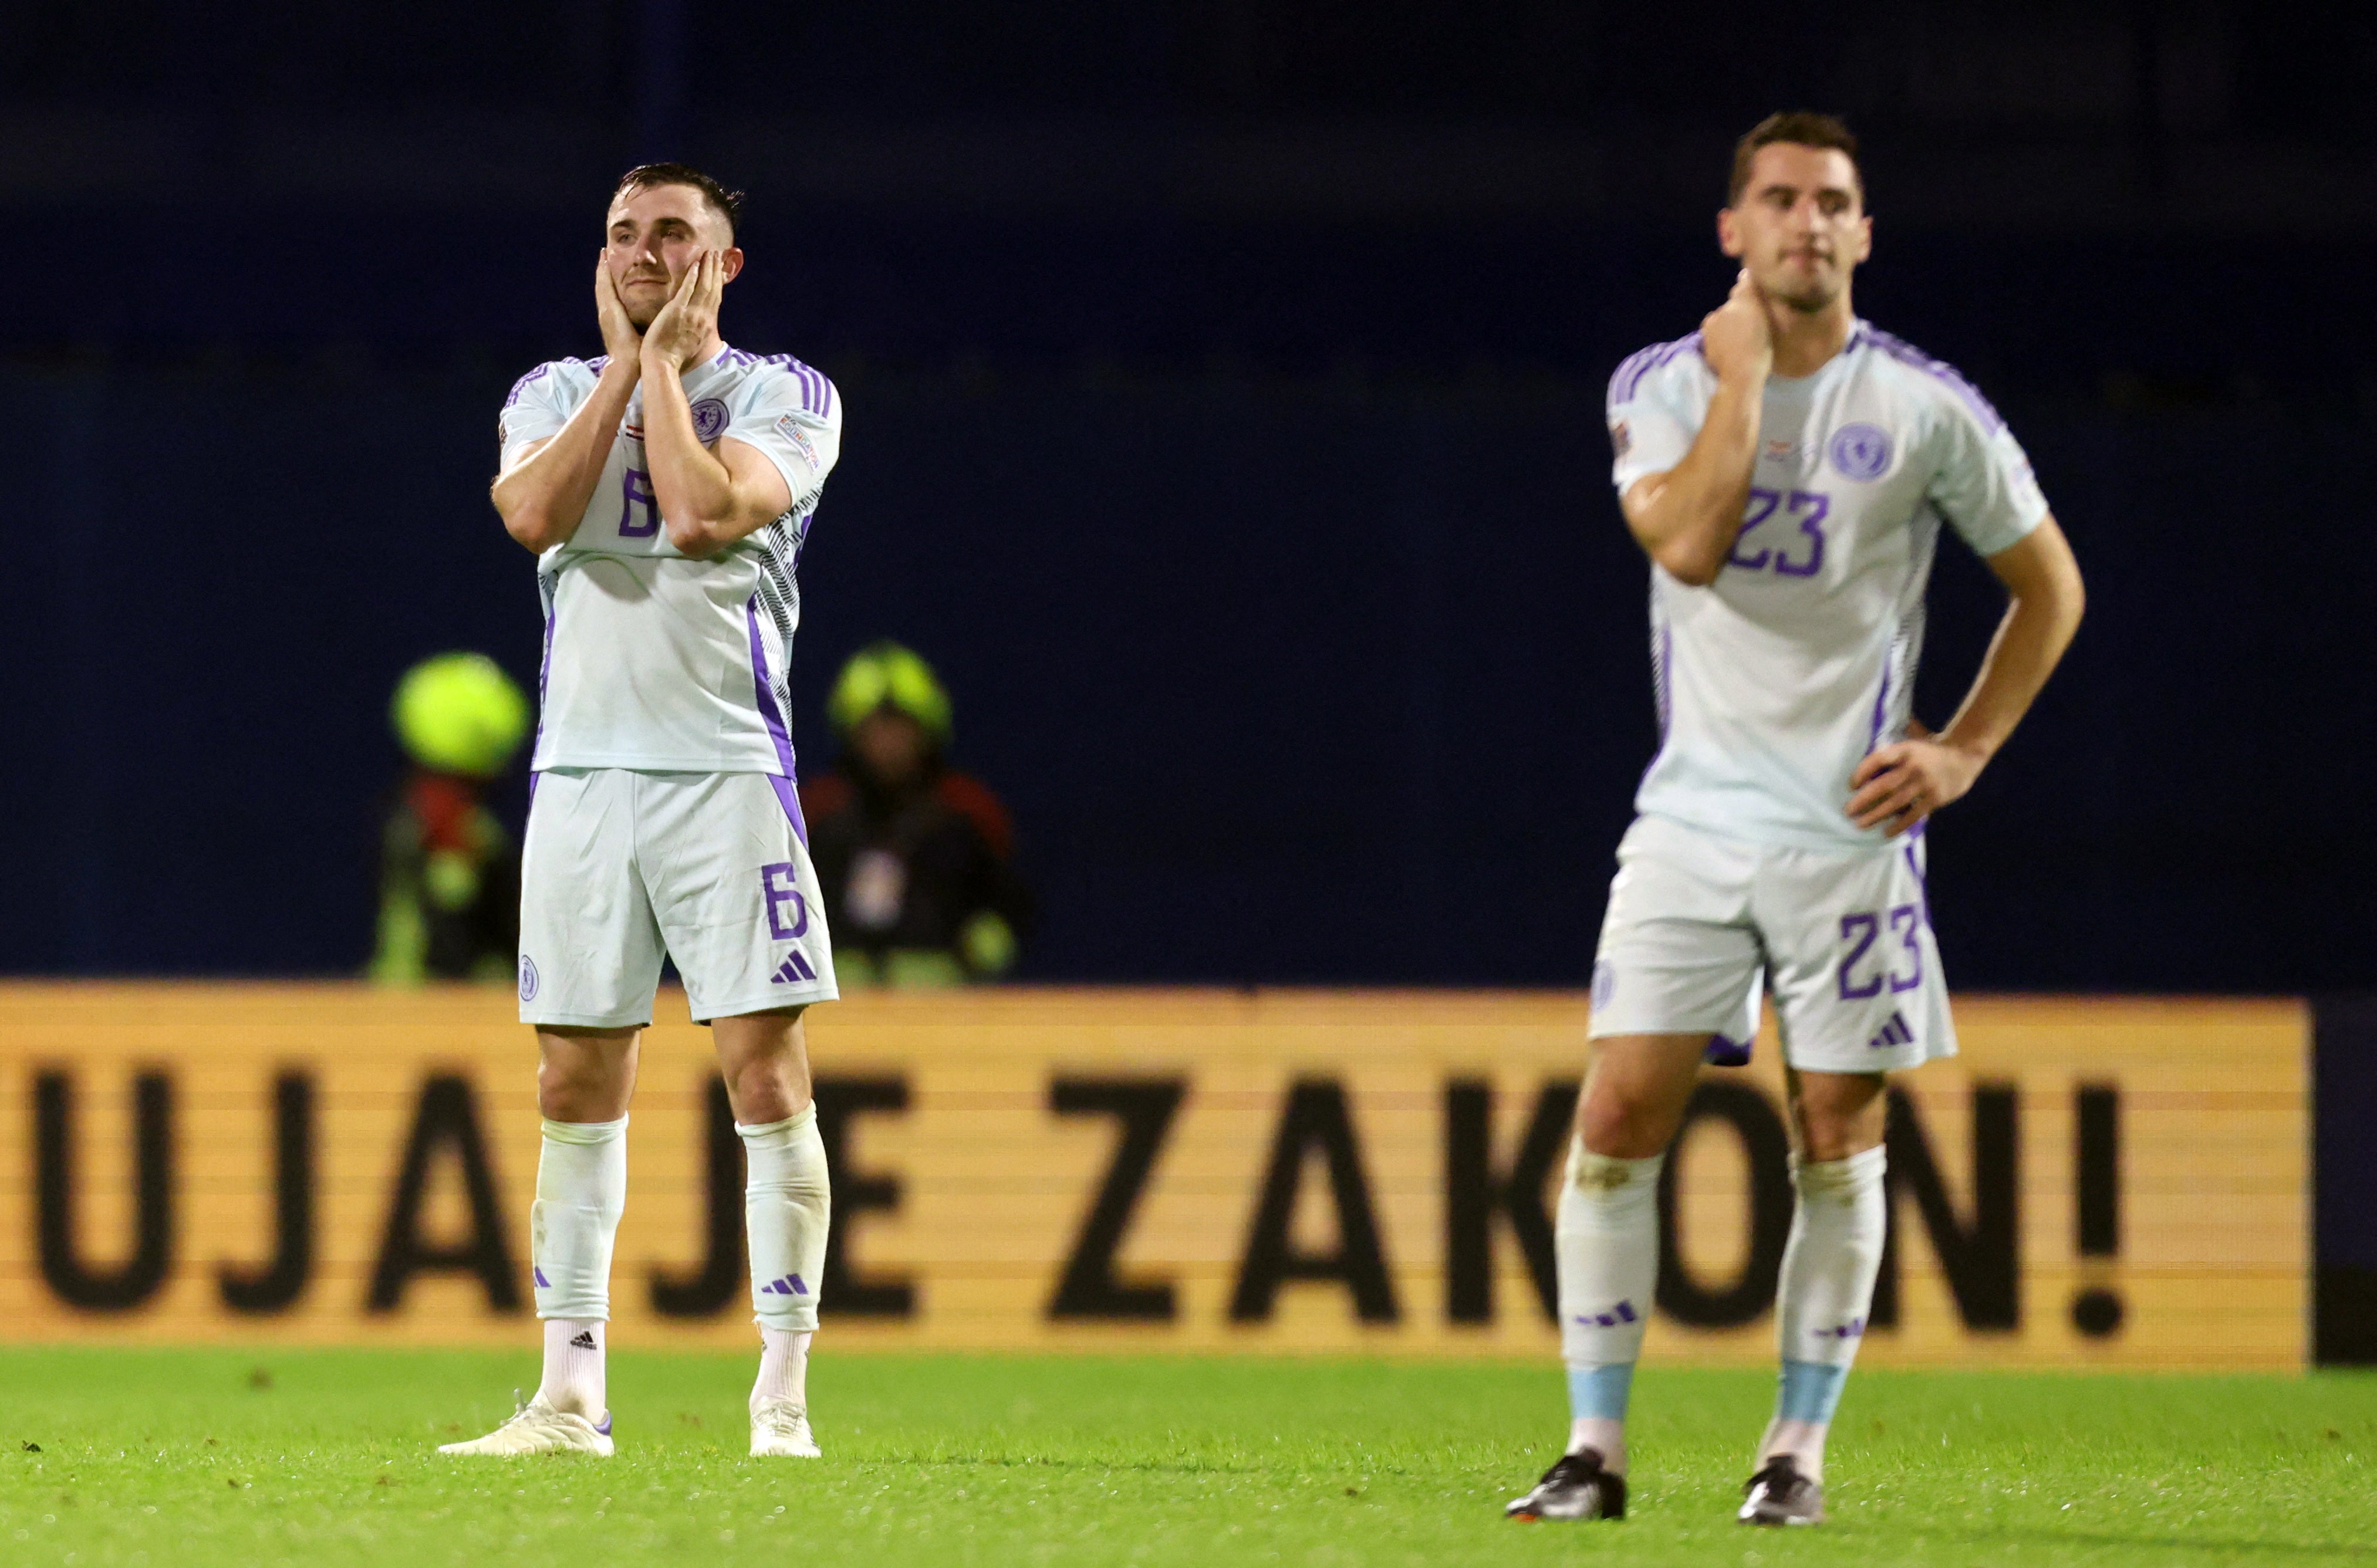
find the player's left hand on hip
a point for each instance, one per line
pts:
(1899, 785)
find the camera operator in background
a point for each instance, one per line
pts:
(449, 889)
(915, 859)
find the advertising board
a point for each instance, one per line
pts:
(2092, 1182)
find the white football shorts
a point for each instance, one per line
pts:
(1842, 941)
(712, 870)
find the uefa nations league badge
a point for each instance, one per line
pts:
(1861, 451)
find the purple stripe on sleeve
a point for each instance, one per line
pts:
(525, 382)
(769, 714)
(1629, 379)
(1907, 354)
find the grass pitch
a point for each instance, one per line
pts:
(203, 1457)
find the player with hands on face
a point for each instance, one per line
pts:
(1788, 469)
(667, 488)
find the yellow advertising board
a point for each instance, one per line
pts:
(2092, 1182)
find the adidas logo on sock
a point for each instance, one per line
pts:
(1622, 1312)
(1896, 1032)
(790, 1284)
(542, 1282)
(582, 1340)
(795, 969)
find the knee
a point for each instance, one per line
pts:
(1826, 1136)
(578, 1089)
(1618, 1125)
(766, 1090)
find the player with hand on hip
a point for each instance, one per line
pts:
(667, 488)
(1787, 468)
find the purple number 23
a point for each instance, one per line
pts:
(1809, 505)
(1906, 922)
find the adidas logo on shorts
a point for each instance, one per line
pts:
(1896, 1032)
(793, 969)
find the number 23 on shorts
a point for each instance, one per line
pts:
(1863, 932)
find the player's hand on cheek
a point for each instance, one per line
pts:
(1899, 785)
(620, 338)
(677, 332)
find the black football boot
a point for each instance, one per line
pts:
(1576, 1487)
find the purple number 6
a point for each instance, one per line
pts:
(635, 489)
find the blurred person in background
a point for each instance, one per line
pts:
(448, 870)
(916, 858)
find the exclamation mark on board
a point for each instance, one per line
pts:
(2096, 1309)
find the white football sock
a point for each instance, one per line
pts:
(581, 1189)
(787, 1204)
(1826, 1293)
(783, 1366)
(574, 1379)
(1607, 1241)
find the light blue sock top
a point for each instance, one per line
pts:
(1808, 1391)
(1599, 1393)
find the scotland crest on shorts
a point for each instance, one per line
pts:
(709, 420)
(1861, 451)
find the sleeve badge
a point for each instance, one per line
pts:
(790, 429)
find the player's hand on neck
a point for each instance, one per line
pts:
(686, 331)
(1738, 338)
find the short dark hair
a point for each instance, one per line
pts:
(1799, 127)
(643, 176)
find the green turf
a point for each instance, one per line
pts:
(207, 1458)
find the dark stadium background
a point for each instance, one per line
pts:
(1223, 382)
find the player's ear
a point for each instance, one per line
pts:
(1728, 233)
(730, 261)
(1865, 238)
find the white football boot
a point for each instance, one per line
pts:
(537, 1428)
(780, 1430)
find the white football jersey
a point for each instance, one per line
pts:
(655, 660)
(1777, 679)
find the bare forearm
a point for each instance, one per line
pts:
(1688, 525)
(2028, 645)
(541, 497)
(692, 488)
